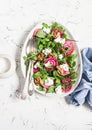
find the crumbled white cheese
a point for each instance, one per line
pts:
(37, 65)
(47, 30)
(49, 81)
(48, 64)
(60, 40)
(65, 67)
(58, 90)
(47, 51)
(60, 56)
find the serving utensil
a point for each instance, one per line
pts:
(31, 83)
(29, 48)
(23, 94)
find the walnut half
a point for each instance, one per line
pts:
(40, 56)
(38, 81)
(60, 70)
(52, 55)
(55, 33)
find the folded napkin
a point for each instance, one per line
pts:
(83, 93)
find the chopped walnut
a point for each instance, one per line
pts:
(60, 70)
(38, 81)
(40, 56)
(52, 55)
(55, 33)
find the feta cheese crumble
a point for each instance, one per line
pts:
(47, 30)
(65, 67)
(60, 56)
(49, 81)
(60, 40)
(58, 90)
(48, 64)
(47, 51)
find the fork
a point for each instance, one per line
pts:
(31, 83)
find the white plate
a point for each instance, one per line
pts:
(78, 60)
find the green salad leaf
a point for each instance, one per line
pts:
(41, 34)
(51, 89)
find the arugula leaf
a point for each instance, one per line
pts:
(33, 56)
(63, 86)
(53, 44)
(45, 25)
(51, 89)
(27, 58)
(72, 82)
(38, 41)
(41, 34)
(57, 76)
(49, 44)
(72, 70)
(36, 75)
(73, 64)
(64, 59)
(40, 47)
(40, 88)
(74, 75)
(71, 60)
(49, 36)
(72, 57)
(55, 25)
(65, 35)
(58, 81)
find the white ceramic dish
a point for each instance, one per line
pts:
(78, 60)
(7, 65)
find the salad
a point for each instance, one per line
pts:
(55, 59)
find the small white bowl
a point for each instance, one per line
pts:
(7, 66)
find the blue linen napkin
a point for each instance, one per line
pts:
(83, 93)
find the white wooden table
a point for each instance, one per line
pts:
(39, 112)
